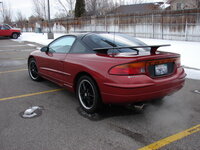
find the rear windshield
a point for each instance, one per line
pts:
(113, 40)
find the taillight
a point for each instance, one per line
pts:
(128, 69)
(178, 62)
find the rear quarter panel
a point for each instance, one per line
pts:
(98, 65)
(92, 64)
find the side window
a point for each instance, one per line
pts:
(4, 27)
(79, 48)
(62, 45)
(7, 27)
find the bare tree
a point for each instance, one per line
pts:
(32, 22)
(91, 6)
(64, 7)
(40, 8)
(122, 2)
(67, 6)
(21, 20)
(99, 7)
(6, 13)
(137, 1)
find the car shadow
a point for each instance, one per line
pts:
(4, 38)
(111, 111)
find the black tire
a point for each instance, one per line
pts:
(88, 94)
(33, 70)
(15, 36)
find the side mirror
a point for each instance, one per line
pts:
(44, 49)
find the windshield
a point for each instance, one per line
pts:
(105, 40)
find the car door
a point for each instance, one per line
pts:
(1, 33)
(52, 62)
(5, 31)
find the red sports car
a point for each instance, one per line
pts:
(104, 68)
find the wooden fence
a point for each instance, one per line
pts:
(173, 25)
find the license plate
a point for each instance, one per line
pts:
(161, 69)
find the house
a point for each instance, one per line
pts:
(183, 4)
(137, 8)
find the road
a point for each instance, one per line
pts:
(63, 126)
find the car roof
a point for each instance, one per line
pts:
(83, 34)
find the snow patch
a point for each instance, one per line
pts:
(189, 51)
(36, 37)
(32, 45)
(192, 74)
(164, 6)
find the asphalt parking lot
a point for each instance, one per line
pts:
(62, 126)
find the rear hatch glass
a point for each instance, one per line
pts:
(114, 40)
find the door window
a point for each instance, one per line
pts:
(79, 48)
(62, 45)
(5, 27)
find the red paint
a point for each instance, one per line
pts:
(7, 31)
(64, 68)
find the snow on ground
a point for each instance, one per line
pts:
(190, 51)
(193, 74)
(37, 37)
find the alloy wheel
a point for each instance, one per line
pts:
(33, 71)
(86, 94)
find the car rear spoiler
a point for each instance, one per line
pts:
(152, 50)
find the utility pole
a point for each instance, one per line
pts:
(50, 34)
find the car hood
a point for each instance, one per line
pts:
(16, 29)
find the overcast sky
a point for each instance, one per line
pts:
(25, 6)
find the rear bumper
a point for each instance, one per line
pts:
(143, 88)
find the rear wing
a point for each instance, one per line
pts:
(152, 50)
